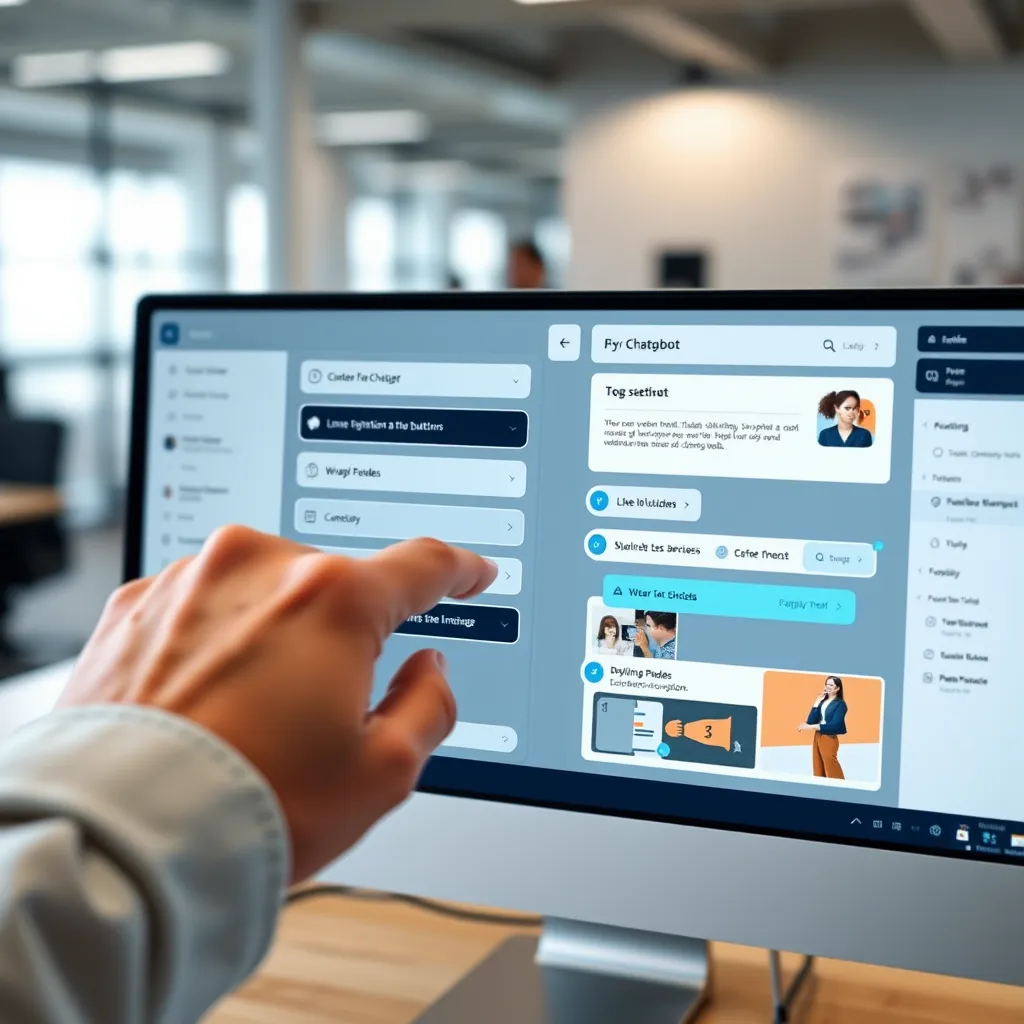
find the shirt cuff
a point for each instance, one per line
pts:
(180, 811)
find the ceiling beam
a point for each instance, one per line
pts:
(962, 29)
(681, 39)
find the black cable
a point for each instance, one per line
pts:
(308, 892)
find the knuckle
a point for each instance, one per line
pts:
(437, 551)
(124, 597)
(228, 542)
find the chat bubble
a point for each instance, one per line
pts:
(425, 380)
(411, 474)
(612, 501)
(732, 600)
(459, 428)
(509, 580)
(738, 554)
(456, 524)
(767, 428)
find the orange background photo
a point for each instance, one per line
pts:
(868, 416)
(788, 697)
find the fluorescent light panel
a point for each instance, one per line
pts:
(122, 64)
(372, 128)
(12, 3)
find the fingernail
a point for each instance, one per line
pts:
(442, 662)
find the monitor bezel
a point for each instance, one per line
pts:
(581, 792)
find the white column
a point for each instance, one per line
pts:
(206, 165)
(305, 185)
(280, 114)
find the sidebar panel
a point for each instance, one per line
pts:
(216, 448)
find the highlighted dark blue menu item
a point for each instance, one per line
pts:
(470, 428)
(971, 376)
(484, 623)
(948, 340)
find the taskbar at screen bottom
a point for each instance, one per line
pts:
(891, 828)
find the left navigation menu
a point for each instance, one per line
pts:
(212, 461)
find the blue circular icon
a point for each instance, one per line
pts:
(597, 544)
(663, 750)
(722, 551)
(594, 672)
(878, 545)
(599, 501)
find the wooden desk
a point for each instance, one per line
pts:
(349, 961)
(25, 504)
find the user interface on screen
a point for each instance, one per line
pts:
(760, 566)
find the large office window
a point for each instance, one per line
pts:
(247, 239)
(75, 255)
(371, 244)
(478, 244)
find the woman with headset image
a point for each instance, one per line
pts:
(845, 408)
(827, 720)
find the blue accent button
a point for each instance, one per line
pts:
(663, 750)
(597, 545)
(594, 672)
(732, 600)
(170, 334)
(721, 551)
(599, 501)
(878, 545)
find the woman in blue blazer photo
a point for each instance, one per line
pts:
(844, 408)
(827, 721)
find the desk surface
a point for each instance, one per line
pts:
(25, 504)
(348, 961)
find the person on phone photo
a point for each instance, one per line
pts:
(827, 720)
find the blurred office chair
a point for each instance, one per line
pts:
(30, 455)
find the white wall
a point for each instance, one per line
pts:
(745, 172)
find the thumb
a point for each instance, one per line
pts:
(416, 714)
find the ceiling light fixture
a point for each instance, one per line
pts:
(121, 64)
(12, 3)
(372, 128)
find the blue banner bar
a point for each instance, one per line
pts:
(732, 600)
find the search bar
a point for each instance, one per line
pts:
(744, 345)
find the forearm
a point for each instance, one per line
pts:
(142, 864)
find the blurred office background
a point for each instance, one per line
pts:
(168, 145)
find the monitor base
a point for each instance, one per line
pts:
(582, 974)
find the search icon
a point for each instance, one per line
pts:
(819, 557)
(828, 344)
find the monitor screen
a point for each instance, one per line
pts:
(754, 552)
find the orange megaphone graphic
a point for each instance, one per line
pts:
(712, 732)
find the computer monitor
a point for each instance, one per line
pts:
(750, 669)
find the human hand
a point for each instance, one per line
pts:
(641, 639)
(271, 646)
(804, 727)
(674, 729)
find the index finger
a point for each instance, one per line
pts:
(413, 576)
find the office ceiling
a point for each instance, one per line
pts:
(490, 74)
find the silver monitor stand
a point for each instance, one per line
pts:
(580, 973)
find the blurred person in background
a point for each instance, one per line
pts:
(526, 268)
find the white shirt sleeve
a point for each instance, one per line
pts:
(143, 864)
